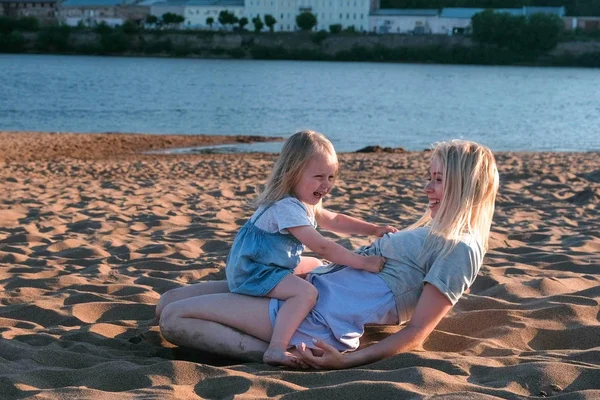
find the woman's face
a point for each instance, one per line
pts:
(435, 187)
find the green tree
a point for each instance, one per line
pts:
(210, 21)
(171, 19)
(270, 21)
(243, 22)
(543, 32)
(227, 18)
(103, 28)
(130, 27)
(28, 24)
(306, 21)
(335, 28)
(258, 24)
(538, 34)
(152, 20)
(12, 42)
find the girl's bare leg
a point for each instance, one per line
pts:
(213, 323)
(306, 265)
(185, 292)
(300, 297)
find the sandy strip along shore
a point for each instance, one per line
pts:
(33, 146)
(88, 244)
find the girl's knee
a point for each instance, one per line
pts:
(312, 294)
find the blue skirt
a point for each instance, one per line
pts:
(348, 300)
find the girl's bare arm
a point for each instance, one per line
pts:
(341, 223)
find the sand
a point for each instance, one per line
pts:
(91, 237)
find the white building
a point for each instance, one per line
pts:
(347, 13)
(406, 21)
(197, 12)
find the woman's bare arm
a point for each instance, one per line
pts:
(431, 308)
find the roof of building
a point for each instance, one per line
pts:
(196, 3)
(91, 3)
(560, 11)
(453, 12)
(172, 3)
(407, 11)
(28, 1)
(221, 3)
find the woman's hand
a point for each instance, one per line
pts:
(382, 230)
(330, 359)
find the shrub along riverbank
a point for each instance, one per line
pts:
(129, 40)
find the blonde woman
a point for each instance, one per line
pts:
(429, 266)
(267, 249)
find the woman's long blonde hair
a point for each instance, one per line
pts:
(471, 182)
(297, 150)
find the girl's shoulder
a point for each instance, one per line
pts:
(290, 204)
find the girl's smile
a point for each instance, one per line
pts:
(317, 179)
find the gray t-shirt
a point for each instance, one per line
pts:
(286, 213)
(405, 272)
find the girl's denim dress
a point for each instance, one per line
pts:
(259, 260)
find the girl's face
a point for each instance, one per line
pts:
(316, 179)
(435, 187)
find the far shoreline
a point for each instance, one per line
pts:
(46, 146)
(28, 146)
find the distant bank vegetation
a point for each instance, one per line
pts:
(579, 8)
(497, 39)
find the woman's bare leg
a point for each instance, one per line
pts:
(185, 292)
(212, 323)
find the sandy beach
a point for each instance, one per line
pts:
(92, 233)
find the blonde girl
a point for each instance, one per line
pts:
(428, 267)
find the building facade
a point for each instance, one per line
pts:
(95, 12)
(582, 23)
(347, 13)
(43, 10)
(405, 21)
(198, 11)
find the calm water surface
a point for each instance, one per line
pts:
(355, 104)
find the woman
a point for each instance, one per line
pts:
(429, 266)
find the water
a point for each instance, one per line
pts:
(354, 104)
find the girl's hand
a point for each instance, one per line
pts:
(373, 264)
(330, 359)
(382, 230)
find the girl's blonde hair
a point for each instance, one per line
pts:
(297, 150)
(471, 182)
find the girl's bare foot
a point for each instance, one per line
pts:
(281, 357)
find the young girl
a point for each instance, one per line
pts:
(267, 250)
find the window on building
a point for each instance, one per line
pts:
(348, 16)
(354, 15)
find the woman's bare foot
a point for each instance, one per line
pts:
(281, 357)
